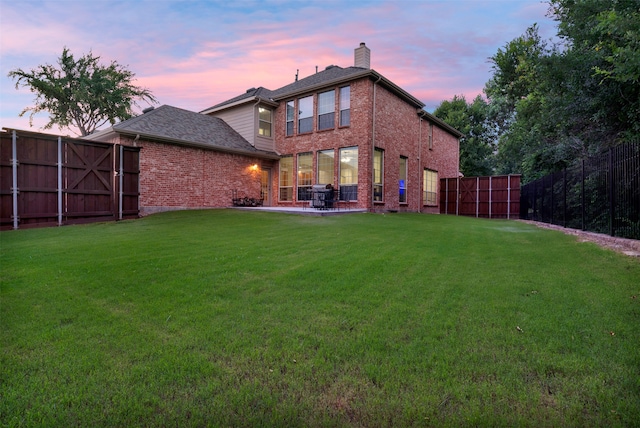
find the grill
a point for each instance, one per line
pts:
(321, 197)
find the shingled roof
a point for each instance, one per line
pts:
(252, 94)
(332, 75)
(175, 125)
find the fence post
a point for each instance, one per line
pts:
(477, 196)
(60, 181)
(446, 196)
(509, 196)
(490, 200)
(612, 187)
(582, 195)
(564, 197)
(14, 177)
(458, 195)
(553, 205)
(120, 182)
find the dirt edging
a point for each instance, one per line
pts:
(629, 247)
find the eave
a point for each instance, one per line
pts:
(371, 74)
(255, 100)
(161, 139)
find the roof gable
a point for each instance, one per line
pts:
(330, 76)
(253, 94)
(332, 73)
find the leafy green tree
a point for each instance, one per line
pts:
(552, 105)
(81, 93)
(476, 148)
(605, 35)
(517, 99)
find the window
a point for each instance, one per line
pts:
(286, 178)
(431, 136)
(402, 180)
(430, 186)
(345, 106)
(326, 110)
(305, 176)
(378, 173)
(325, 167)
(349, 174)
(290, 117)
(264, 122)
(305, 114)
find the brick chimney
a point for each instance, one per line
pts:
(362, 56)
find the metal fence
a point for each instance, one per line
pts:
(600, 194)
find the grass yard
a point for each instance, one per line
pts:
(234, 318)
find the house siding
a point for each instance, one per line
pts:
(243, 120)
(263, 143)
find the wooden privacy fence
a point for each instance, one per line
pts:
(489, 197)
(48, 180)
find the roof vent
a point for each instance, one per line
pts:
(148, 109)
(329, 67)
(250, 90)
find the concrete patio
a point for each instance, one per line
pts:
(304, 210)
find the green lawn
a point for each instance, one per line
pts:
(234, 318)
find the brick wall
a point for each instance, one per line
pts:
(179, 177)
(399, 131)
(358, 133)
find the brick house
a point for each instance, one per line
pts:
(348, 127)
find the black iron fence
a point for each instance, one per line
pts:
(601, 194)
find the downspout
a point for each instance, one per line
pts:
(135, 144)
(421, 115)
(373, 140)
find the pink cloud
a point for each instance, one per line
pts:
(194, 55)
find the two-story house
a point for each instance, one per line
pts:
(350, 128)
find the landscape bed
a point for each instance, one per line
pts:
(235, 318)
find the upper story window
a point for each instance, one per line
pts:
(430, 136)
(290, 116)
(326, 110)
(264, 122)
(305, 114)
(345, 106)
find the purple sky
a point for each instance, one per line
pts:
(194, 54)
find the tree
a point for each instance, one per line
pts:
(83, 94)
(476, 146)
(553, 105)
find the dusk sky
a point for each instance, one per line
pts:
(194, 54)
